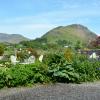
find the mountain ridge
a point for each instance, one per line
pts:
(12, 38)
(71, 32)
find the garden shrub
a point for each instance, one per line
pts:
(1, 49)
(54, 68)
(21, 55)
(33, 52)
(21, 75)
(81, 57)
(86, 69)
(18, 75)
(5, 63)
(2, 77)
(97, 67)
(68, 55)
(40, 73)
(60, 69)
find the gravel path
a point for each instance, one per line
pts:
(59, 91)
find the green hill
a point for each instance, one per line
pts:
(72, 33)
(12, 38)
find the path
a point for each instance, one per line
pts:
(59, 91)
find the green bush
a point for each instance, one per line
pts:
(21, 75)
(60, 70)
(54, 68)
(1, 49)
(87, 70)
(18, 75)
(68, 55)
(81, 57)
(2, 77)
(97, 67)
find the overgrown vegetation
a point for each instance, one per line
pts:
(54, 68)
(88, 69)
(21, 75)
(60, 69)
(62, 58)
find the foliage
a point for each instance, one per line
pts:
(95, 43)
(33, 52)
(63, 42)
(78, 45)
(86, 69)
(38, 43)
(68, 55)
(5, 63)
(23, 74)
(54, 68)
(26, 53)
(80, 57)
(1, 49)
(2, 77)
(21, 55)
(61, 70)
(72, 33)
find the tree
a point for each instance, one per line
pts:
(95, 43)
(78, 45)
(1, 49)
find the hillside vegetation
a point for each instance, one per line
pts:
(73, 33)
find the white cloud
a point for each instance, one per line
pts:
(37, 25)
(29, 30)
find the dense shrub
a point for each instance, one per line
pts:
(23, 74)
(21, 55)
(55, 67)
(87, 70)
(68, 55)
(96, 65)
(60, 69)
(80, 57)
(1, 49)
(2, 77)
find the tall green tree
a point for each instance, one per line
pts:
(78, 45)
(1, 49)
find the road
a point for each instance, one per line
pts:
(58, 91)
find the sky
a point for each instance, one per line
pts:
(33, 18)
